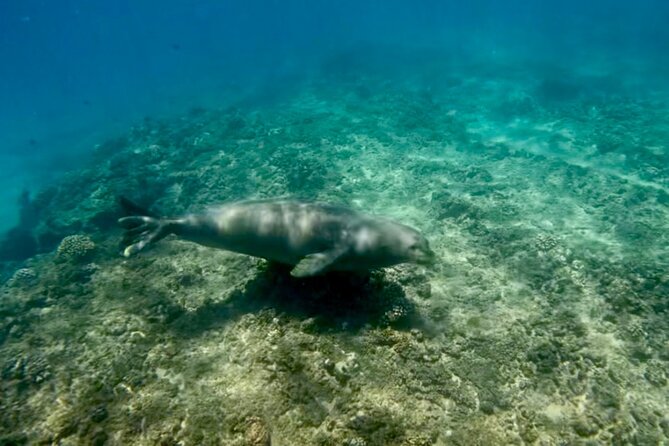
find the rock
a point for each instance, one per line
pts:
(343, 370)
(99, 414)
(446, 206)
(664, 424)
(585, 428)
(655, 373)
(14, 439)
(257, 433)
(99, 437)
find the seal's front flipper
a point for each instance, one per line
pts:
(317, 263)
(141, 231)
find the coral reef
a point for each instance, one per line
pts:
(23, 277)
(75, 248)
(545, 322)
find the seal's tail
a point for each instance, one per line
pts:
(142, 227)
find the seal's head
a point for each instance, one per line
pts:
(416, 248)
(390, 243)
(420, 252)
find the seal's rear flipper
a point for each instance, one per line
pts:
(141, 231)
(142, 227)
(131, 208)
(317, 263)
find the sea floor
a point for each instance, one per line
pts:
(545, 322)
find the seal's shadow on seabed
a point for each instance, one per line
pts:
(337, 301)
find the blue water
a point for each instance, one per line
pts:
(527, 140)
(74, 73)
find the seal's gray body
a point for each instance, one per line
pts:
(313, 237)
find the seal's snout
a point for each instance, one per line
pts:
(422, 253)
(426, 257)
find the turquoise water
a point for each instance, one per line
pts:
(76, 74)
(527, 143)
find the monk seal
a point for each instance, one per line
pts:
(314, 238)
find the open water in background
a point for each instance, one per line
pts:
(73, 73)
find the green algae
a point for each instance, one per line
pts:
(544, 322)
